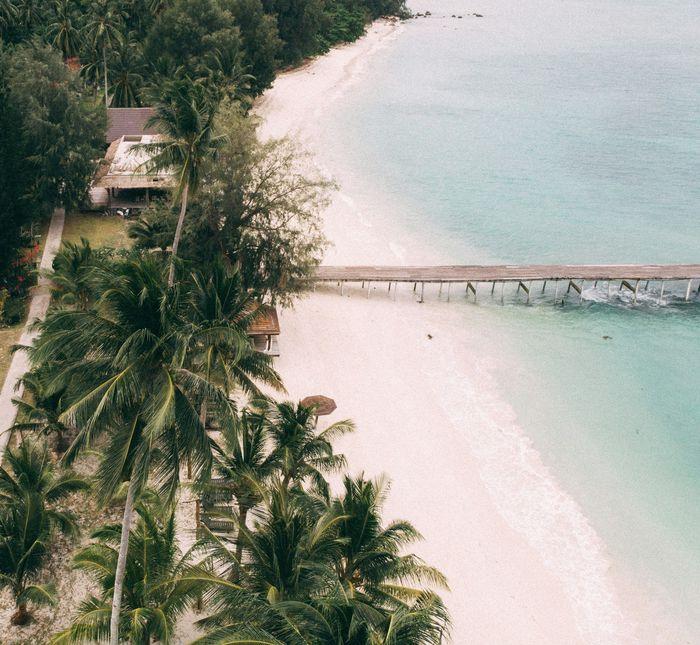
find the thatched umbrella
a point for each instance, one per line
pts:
(321, 405)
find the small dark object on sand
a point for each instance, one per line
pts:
(607, 337)
(430, 337)
(477, 15)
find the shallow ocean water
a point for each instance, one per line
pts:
(565, 132)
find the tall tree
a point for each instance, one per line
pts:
(104, 30)
(260, 41)
(30, 487)
(62, 130)
(61, 30)
(192, 37)
(302, 454)
(255, 207)
(17, 200)
(285, 588)
(243, 467)
(125, 362)
(127, 74)
(371, 560)
(223, 311)
(155, 594)
(40, 409)
(185, 118)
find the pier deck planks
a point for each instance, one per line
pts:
(506, 273)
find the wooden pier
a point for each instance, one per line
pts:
(566, 277)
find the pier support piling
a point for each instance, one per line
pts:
(661, 294)
(687, 291)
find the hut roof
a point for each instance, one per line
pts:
(128, 121)
(124, 166)
(266, 323)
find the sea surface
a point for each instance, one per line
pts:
(567, 132)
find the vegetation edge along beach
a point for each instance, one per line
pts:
(145, 387)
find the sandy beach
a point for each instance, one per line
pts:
(523, 563)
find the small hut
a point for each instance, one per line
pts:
(264, 330)
(123, 180)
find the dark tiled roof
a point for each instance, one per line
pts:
(128, 121)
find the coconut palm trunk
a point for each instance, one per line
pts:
(104, 71)
(121, 564)
(21, 616)
(178, 233)
(242, 517)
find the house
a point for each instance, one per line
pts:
(123, 183)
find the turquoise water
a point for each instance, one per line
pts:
(566, 131)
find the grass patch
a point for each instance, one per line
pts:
(9, 336)
(97, 228)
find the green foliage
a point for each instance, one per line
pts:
(258, 204)
(236, 45)
(128, 71)
(303, 455)
(62, 32)
(346, 21)
(140, 331)
(159, 583)
(199, 39)
(299, 23)
(260, 39)
(184, 115)
(320, 573)
(74, 274)
(16, 179)
(40, 408)
(61, 131)
(30, 488)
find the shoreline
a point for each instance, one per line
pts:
(510, 541)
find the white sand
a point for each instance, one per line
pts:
(523, 563)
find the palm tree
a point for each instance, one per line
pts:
(302, 454)
(74, 274)
(40, 409)
(287, 558)
(61, 31)
(103, 30)
(156, 593)
(125, 360)
(127, 75)
(371, 560)
(8, 13)
(242, 466)
(30, 486)
(185, 119)
(29, 13)
(222, 313)
(157, 6)
(286, 590)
